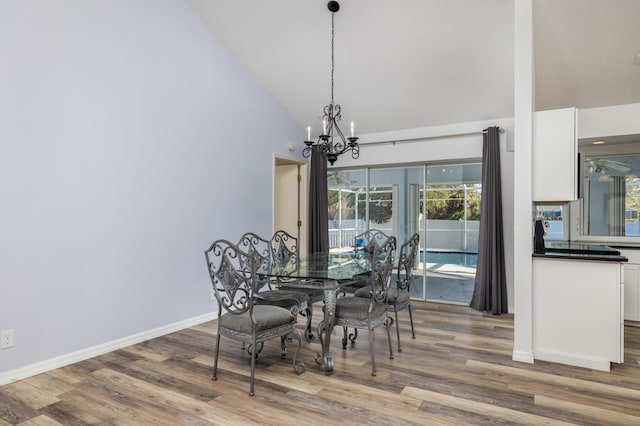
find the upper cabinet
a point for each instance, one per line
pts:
(555, 155)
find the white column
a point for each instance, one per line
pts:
(522, 221)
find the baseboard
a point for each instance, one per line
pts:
(81, 355)
(522, 356)
(569, 359)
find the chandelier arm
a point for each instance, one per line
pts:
(341, 146)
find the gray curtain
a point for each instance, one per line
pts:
(490, 290)
(318, 204)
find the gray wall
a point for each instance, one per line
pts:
(129, 140)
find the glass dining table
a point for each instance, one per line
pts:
(320, 271)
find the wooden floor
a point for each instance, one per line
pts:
(458, 370)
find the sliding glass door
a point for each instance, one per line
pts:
(439, 202)
(452, 199)
(347, 196)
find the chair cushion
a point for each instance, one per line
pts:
(315, 295)
(357, 308)
(351, 286)
(393, 295)
(363, 292)
(266, 316)
(293, 298)
(397, 296)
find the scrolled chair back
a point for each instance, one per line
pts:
(233, 275)
(284, 247)
(407, 261)
(257, 247)
(370, 239)
(382, 258)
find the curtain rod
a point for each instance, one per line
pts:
(452, 135)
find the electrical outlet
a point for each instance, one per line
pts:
(212, 294)
(6, 339)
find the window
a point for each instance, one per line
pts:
(552, 217)
(610, 186)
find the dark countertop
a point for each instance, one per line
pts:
(580, 251)
(624, 247)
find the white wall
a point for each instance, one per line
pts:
(435, 144)
(613, 120)
(129, 140)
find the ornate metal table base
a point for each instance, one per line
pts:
(325, 327)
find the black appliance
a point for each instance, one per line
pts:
(538, 237)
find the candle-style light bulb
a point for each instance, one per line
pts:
(308, 133)
(324, 126)
(352, 129)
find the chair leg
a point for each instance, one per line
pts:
(283, 348)
(373, 360)
(298, 367)
(388, 326)
(215, 359)
(253, 370)
(413, 333)
(353, 336)
(253, 351)
(395, 311)
(344, 337)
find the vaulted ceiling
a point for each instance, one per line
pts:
(415, 63)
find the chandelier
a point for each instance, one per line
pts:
(331, 141)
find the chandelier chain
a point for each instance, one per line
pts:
(332, 49)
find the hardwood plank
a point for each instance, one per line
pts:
(156, 395)
(163, 376)
(499, 413)
(593, 414)
(14, 411)
(579, 384)
(29, 394)
(40, 421)
(116, 403)
(69, 415)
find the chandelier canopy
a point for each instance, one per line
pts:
(332, 142)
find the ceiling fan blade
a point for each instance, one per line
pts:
(616, 165)
(604, 163)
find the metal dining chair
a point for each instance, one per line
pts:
(294, 300)
(370, 312)
(240, 317)
(399, 297)
(284, 247)
(364, 242)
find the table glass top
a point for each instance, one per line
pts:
(332, 266)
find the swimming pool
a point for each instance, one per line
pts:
(450, 257)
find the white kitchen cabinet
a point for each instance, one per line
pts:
(577, 312)
(555, 155)
(632, 292)
(632, 285)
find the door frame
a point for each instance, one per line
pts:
(302, 196)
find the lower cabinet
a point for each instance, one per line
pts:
(577, 312)
(632, 285)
